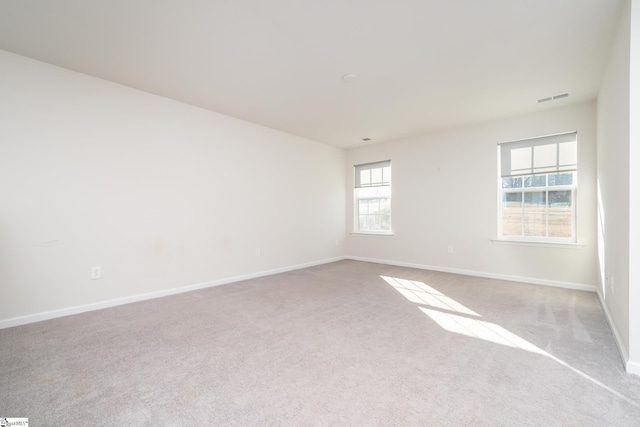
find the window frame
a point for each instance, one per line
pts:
(357, 185)
(559, 169)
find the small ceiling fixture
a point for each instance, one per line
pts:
(366, 139)
(348, 78)
(553, 98)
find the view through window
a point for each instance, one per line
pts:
(538, 188)
(372, 197)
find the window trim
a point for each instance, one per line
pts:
(544, 244)
(538, 240)
(357, 185)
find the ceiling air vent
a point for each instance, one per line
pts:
(553, 98)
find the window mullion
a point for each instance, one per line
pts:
(546, 213)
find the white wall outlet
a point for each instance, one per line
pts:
(258, 252)
(96, 272)
(449, 249)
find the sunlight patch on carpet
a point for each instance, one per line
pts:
(454, 317)
(421, 293)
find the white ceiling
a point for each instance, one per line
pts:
(421, 65)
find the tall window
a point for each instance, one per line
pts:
(372, 197)
(538, 182)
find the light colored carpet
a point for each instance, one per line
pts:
(347, 343)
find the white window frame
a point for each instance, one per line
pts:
(533, 169)
(377, 190)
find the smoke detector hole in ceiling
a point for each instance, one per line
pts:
(349, 78)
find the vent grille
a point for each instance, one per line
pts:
(553, 98)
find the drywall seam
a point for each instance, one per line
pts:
(32, 318)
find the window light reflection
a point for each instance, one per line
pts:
(452, 316)
(421, 293)
(480, 329)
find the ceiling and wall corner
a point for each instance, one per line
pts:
(420, 66)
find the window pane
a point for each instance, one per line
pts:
(386, 175)
(568, 154)
(520, 159)
(512, 214)
(511, 222)
(363, 207)
(561, 178)
(560, 213)
(512, 199)
(374, 206)
(560, 225)
(535, 201)
(535, 180)
(535, 213)
(545, 157)
(373, 222)
(365, 177)
(373, 192)
(560, 200)
(535, 224)
(385, 223)
(374, 214)
(385, 206)
(376, 176)
(512, 182)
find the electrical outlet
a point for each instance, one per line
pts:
(96, 272)
(449, 249)
(258, 252)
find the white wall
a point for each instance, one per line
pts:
(445, 193)
(615, 184)
(634, 190)
(159, 193)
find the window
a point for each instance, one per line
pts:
(372, 198)
(538, 182)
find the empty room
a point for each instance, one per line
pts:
(320, 213)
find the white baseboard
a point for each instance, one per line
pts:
(624, 354)
(633, 367)
(32, 318)
(37, 317)
(529, 280)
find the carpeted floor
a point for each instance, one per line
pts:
(344, 344)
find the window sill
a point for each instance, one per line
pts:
(538, 243)
(372, 233)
